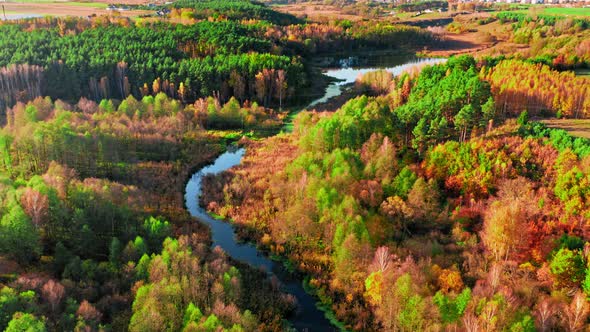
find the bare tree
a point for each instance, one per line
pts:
(382, 260)
(121, 79)
(53, 292)
(574, 315)
(89, 312)
(281, 83)
(36, 205)
(545, 314)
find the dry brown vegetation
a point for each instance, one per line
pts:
(575, 127)
(318, 12)
(66, 9)
(262, 159)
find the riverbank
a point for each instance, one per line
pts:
(309, 317)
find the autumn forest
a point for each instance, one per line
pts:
(444, 186)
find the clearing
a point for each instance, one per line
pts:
(66, 8)
(575, 127)
(317, 11)
(564, 11)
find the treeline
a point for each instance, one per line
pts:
(115, 61)
(559, 41)
(235, 10)
(101, 59)
(99, 139)
(558, 138)
(538, 89)
(318, 38)
(19, 82)
(409, 224)
(422, 5)
(522, 19)
(95, 139)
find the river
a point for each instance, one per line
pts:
(344, 76)
(308, 317)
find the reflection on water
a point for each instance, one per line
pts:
(308, 317)
(18, 16)
(395, 65)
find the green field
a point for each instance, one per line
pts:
(567, 11)
(562, 11)
(86, 4)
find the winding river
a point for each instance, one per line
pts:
(308, 317)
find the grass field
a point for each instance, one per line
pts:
(68, 3)
(561, 11)
(87, 4)
(567, 11)
(30, 1)
(575, 127)
(32, 8)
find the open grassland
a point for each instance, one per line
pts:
(561, 11)
(317, 11)
(91, 3)
(87, 4)
(567, 11)
(575, 127)
(70, 8)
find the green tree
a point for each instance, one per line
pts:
(12, 302)
(22, 322)
(156, 230)
(18, 237)
(568, 267)
(115, 250)
(403, 182)
(410, 317)
(452, 309)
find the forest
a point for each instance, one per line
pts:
(141, 60)
(427, 207)
(104, 58)
(430, 200)
(92, 196)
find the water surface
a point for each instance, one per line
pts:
(308, 317)
(395, 65)
(18, 16)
